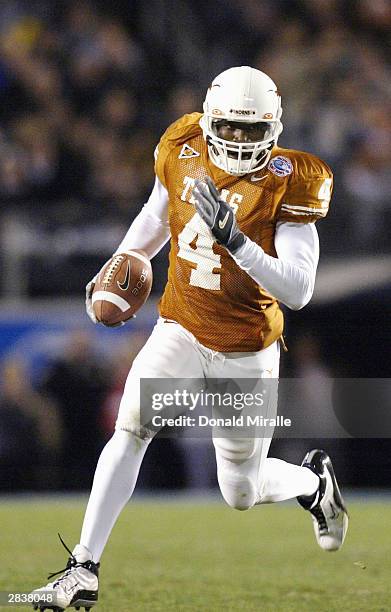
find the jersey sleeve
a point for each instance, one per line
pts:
(308, 195)
(175, 134)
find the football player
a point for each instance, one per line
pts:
(240, 213)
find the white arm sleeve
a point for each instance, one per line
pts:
(150, 230)
(291, 277)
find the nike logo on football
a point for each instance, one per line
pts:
(124, 286)
(257, 178)
(223, 223)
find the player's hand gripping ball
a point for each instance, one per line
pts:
(121, 287)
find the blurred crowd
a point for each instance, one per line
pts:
(87, 87)
(55, 421)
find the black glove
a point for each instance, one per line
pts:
(218, 215)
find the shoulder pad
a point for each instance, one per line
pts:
(309, 186)
(176, 134)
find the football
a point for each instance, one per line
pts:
(122, 287)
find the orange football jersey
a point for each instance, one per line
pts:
(206, 291)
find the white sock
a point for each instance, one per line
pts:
(114, 482)
(282, 480)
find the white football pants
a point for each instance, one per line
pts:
(173, 352)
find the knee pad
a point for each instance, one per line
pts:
(142, 433)
(238, 490)
(236, 450)
(129, 418)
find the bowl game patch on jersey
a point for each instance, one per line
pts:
(281, 166)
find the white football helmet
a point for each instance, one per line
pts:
(248, 99)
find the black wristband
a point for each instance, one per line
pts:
(235, 244)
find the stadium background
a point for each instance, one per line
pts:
(86, 90)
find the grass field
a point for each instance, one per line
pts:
(165, 556)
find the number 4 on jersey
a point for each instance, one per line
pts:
(324, 193)
(196, 245)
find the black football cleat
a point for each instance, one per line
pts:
(327, 507)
